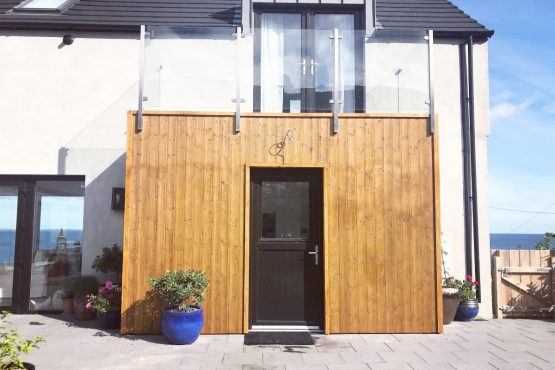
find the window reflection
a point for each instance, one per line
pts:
(8, 220)
(58, 235)
(285, 209)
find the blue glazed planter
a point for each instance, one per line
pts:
(182, 327)
(467, 311)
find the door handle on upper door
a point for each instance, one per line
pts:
(313, 66)
(303, 66)
(315, 253)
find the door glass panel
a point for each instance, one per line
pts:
(323, 55)
(285, 209)
(280, 62)
(57, 245)
(8, 221)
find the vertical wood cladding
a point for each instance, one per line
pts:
(185, 208)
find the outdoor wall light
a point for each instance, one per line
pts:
(118, 199)
(66, 40)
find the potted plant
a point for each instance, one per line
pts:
(67, 297)
(81, 287)
(468, 306)
(182, 292)
(450, 293)
(451, 296)
(12, 346)
(107, 304)
(111, 260)
(67, 301)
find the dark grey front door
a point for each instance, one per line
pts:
(286, 271)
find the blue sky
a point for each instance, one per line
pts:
(56, 212)
(522, 100)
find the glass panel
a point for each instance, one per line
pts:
(57, 249)
(397, 72)
(43, 4)
(285, 209)
(323, 52)
(190, 69)
(281, 58)
(8, 221)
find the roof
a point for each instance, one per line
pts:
(126, 15)
(439, 15)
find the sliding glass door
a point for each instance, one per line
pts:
(8, 223)
(41, 233)
(294, 67)
(58, 230)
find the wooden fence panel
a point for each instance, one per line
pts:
(186, 197)
(523, 283)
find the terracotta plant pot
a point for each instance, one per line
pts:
(81, 311)
(450, 304)
(68, 305)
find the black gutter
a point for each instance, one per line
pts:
(473, 166)
(467, 184)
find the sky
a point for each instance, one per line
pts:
(521, 146)
(56, 212)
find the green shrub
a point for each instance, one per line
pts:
(111, 260)
(83, 285)
(179, 289)
(12, 346)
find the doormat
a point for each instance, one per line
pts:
(269, 337)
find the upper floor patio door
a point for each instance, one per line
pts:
(294, 70)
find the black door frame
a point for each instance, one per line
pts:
(307, 13)
(23, 259)
(317, 223)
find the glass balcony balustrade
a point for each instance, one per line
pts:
(281, 68)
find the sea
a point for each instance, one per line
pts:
(48, 237)
(514, 241)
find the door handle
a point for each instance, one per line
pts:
(313, 66)
(315, 253)
(303, 66)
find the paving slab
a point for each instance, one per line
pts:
(494, 344)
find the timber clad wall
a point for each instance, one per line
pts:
(186, 198)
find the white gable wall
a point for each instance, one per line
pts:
(63, 111)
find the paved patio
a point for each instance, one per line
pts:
(493, 344)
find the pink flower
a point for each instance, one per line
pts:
(102, 290)
(110, 296)
(475, 283)
(88, 305)
(109, 284)
(468, 277)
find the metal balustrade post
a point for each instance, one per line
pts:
(139, 123)
(238, 100)
(336, 97)
(431, 79)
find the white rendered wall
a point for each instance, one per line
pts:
(63, 111)
(448, 109)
